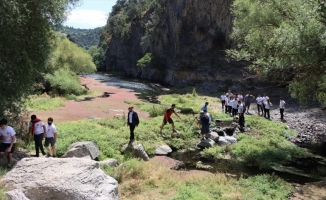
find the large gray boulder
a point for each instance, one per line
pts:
(16, 156)
(82, 150)
(163, 150)
(54, 178)
(223, 141)
(214, 136)
(139, 152)
(206, 143)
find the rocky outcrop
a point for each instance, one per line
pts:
(163, 150)
(56, 178)
(82, 150)
(187, 42)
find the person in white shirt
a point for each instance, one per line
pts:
(241, 114)
(223, 100)
(240, 97)
(234, 105)
(282, 106)
(50, 137)
(8, 140)
(267, 107)
(37, 128)
(259, 101)
(264, 102)
(226, 104)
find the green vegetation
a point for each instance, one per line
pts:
(85, 38)
(37, 103)
(26, 41)
(98, 56)
(284, 40)
(144, 61)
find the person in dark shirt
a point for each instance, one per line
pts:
(132, 122)
(204, 119)
(167, 118)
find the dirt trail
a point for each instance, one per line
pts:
(96, 108)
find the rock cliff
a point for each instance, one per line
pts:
(187, 40)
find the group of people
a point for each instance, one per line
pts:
(37, 129)
(237, 104)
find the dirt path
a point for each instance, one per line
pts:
(96, 108)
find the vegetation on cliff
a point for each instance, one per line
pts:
(284, 40)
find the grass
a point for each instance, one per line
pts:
(3, 171)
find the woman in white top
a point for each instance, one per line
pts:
(267, 107)
(223, 100)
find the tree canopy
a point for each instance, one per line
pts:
(284, 40)
(26, 34)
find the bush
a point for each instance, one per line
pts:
(44, 103)
(145, 60)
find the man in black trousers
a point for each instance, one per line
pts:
(132, 122)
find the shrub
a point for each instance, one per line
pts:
(145, 60)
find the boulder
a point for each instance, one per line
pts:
(16, 156)
(214, 136)
(82, 149)
(163, 150)
(53, 178)
(231, 139)
(206, 143)
(16, 195)
(112, 162)
(139, 152)
(223, 141)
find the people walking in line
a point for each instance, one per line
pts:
(167, 118)
(8, 144)
(282, 106)
(267, 107)
(50, 138)
(223, 96)
(204, 125)
(37, 128)
(204, 107)
(247, 101)
(241, 114)
(132, 122)
(259, 101)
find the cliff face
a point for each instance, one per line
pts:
(187, 39)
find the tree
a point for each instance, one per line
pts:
(284, 40)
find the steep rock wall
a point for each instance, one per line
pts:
(188, 41)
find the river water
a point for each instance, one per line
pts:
(192, 158)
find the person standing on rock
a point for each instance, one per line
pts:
(132, 122)
(167, 118)
(282, 105)
(8, 141)
(223, 100)
(247, 100)
(37, 128)
(204, 125)
(50, 137)
(241, 114)
(204, 107)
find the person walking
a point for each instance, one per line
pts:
(50, 137)
(282, 106)
(223, 100)
(132, 122)
(167, 118)
(37, 128)
(204, 125)
(259, 101)
(241, 114)
(8, 144)
(247, 100)
(234, 105)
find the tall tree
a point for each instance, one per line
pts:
(284, 40)
(25, 43)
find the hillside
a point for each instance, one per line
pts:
(83, 37)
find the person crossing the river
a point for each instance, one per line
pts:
(167, 118)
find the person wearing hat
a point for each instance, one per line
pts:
(132, 122)
(204, 125)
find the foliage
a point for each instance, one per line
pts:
(44, 103)
(85, 38)
(264, 187)
(144, 61)
(26, 36)
(69, 56)
(98, 56)
(283, 40)
(63, 81)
